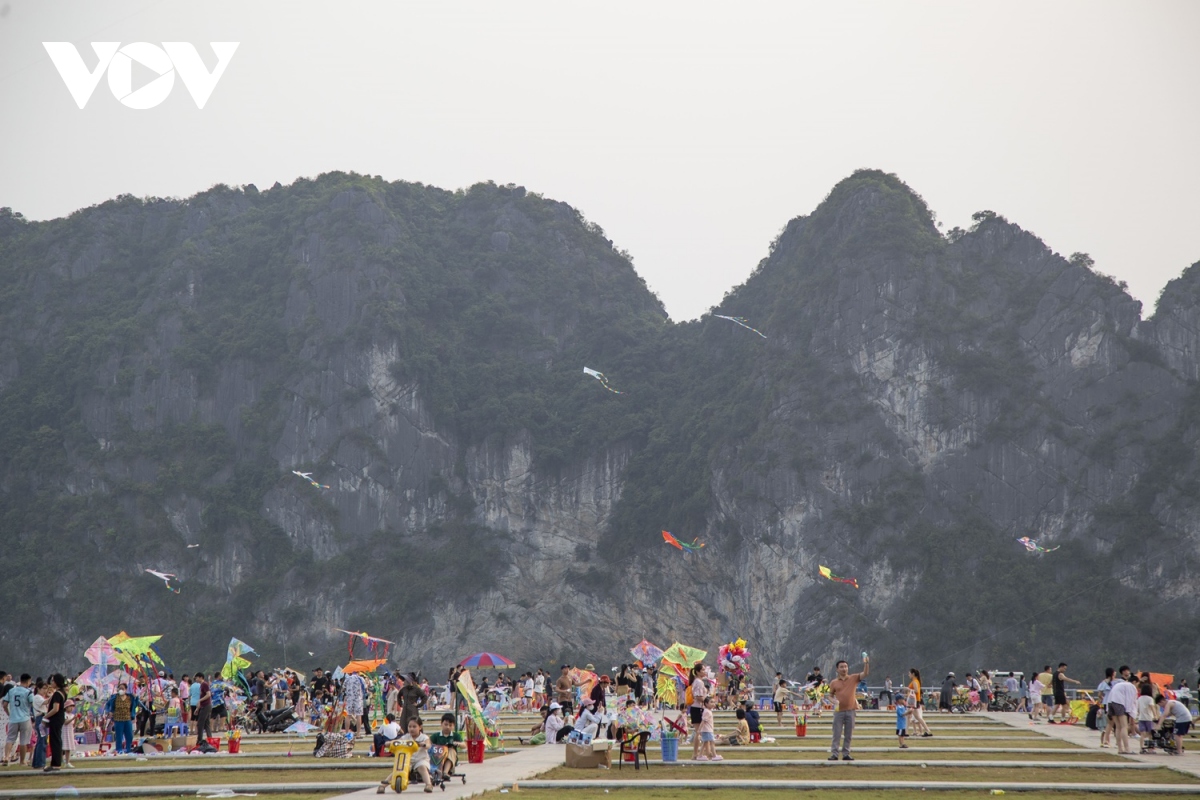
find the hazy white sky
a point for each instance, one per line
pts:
(691, 132)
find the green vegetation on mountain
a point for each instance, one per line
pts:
(921, 402)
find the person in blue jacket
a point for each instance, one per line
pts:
(123, 708)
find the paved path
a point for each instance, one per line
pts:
(1081, 735)
(494, 773)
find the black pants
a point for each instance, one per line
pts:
(144, 716)
(203, 728)
(366, 720)
(56, 744)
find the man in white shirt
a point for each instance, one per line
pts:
(387, 732)
(1122, 699)
(1183, 720)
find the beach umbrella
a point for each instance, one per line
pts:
(490, 660)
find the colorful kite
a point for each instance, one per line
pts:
(690, 547)
(646, 652)
(234, 661)
(308, 477)
(166, 578)
(740, 321)
(373, 643)
(825, 573)
(102, 653)
(600, 377)
(1032, 546)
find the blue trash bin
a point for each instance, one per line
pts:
(670, 750)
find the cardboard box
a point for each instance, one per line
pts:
(582, 756)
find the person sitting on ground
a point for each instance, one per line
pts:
(588, 721)
(742, 735)
(389, 731)
(540, 727)
(446, 740)
(556, 728)
(752, 719)
(420, 759)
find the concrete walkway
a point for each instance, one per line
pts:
(1188, 762)
(494, 773)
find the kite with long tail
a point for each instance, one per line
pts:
(166, 577)
(308, 477)
(691, 547)
(600, 377)
(741, 321)
(1032, 546)
(826, 573)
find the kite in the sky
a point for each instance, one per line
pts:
(190, 546)
(308, 477)
(825, 573)
(600, 377)
(741, 321)
(690, 547)
(1032, 546)
(165, 577)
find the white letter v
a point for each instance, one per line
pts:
(80, 82)
(195, 76)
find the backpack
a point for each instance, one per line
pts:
(688, 698)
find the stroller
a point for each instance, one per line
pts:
(1162, 739)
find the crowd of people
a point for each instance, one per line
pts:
(40, 719)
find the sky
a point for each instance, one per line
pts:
(690, 131)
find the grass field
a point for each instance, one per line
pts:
(841, 771)
(37, 780)
(784, 794)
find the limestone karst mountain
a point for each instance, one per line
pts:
(921, 402)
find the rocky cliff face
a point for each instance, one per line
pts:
(921, 402)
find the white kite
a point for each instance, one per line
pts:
(190, 546)
(741, 321)
(165, 577)
(308, 477)
(600, 377)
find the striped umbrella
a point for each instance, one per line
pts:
(490, 660)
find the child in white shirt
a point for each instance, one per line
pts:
(420, 759)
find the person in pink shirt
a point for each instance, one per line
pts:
(708, 736)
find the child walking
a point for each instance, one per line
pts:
(902, 722)
(708, 737)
